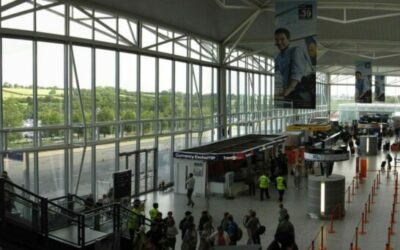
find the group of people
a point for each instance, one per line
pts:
(163, 232)
(278, 168)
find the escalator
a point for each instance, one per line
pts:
(29, 221)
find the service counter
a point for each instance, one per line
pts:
(220, 167)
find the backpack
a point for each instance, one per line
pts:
(260, 230)
(238, 234)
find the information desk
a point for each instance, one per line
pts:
(210, 163)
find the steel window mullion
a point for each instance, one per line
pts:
(117, 109)
(2, 137)
(138, 101)
(92, 122)
(35, 118)
(172, 142)
(157, 110)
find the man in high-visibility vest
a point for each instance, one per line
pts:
(134, 220)
(280, 186)
(154, 211)
(263, 184)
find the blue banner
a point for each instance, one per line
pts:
(363, 76)
(379, 88)
(296, 54)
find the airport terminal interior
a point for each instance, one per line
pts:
(283, 110)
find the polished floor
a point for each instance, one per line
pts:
(295, 201)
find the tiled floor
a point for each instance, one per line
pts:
(296, 203)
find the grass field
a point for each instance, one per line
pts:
(23, 93)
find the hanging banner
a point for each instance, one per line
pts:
(380, 88)
(363, 82)
(296, 54)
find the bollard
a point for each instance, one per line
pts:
(379, 177)
(391, 219)
(389, 232)
(369, 203)
(331, 230)
(374, 187)
(365, 213)
(321, 243)
(352, 187)
(356, 245)
(372, 199)
(312, 245)
(348, 195)
(357, 183)
(362, 224)
(351, 246)
(377, 181)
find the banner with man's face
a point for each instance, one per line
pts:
(296, 54)
(379, 88)
(363, 76)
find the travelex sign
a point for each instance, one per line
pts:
(213, 157)
(206, 157)
(326, 156)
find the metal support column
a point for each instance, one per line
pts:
(221, 87)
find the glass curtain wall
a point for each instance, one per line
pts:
(87, 94)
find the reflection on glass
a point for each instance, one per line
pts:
(51, 173)
(105, 167)
(164, 159)
(85, 184)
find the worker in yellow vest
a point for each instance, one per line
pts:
(134, 220)
(154, 211)
(280, 186)
(263, 184)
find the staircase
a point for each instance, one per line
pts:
(29, 221)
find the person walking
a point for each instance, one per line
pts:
(285, 234)
(297, 175)
(280, 186)
(134, 219)
(190, 188)
(282, 212)
(170, 234)
(220, 237)
(250, 180)
(389, 160)
(153, 211)
(263, 184)
(189, 241)
(252, 224)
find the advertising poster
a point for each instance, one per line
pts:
(379, 88)
(296, 53)
(363, 76)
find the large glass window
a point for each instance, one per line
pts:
(18, 90)
(147, 87)
(81, 90)
(105, 92)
